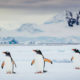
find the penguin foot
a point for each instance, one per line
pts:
(39, 72)
(14, 72)
(8, 72)
(77, 68)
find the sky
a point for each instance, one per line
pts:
(39, 4)
(32, 11)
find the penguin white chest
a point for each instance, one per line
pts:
(8, 64)
(76, 60)
(39, 63)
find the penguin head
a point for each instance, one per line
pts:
(7, 53)
(38, 51)
(76, 50)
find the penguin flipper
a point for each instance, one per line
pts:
(72, 58)
(33, 61)
(3, 63)
(47, 60)
(14, 63)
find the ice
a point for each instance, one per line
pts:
(59, 70)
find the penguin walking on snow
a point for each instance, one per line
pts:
(40, 61)
(8, 63)
(76, 59)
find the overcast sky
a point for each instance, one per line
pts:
(34, 11)
(39, 4)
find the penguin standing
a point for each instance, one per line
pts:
(8, 63)
(76, 59)
(40, 61)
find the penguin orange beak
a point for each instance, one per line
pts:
(3, 52)
(34, 50)
(73, 49)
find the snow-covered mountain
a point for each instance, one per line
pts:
(54, 30)
(0, 29)
(56, 19)
(31, 28)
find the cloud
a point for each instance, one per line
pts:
(40, 5)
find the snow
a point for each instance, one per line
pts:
(31, 28)
(23, 55)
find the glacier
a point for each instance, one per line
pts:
(54, 30)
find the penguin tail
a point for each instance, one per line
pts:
(14, 72)
(44, 71)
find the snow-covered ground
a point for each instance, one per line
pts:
(61, 69)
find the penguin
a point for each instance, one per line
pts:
(76, 59)
(40, 61)
(76, 51)
(8, 63)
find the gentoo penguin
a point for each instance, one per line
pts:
(8, 63)
(40, 61)
(76, 59)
